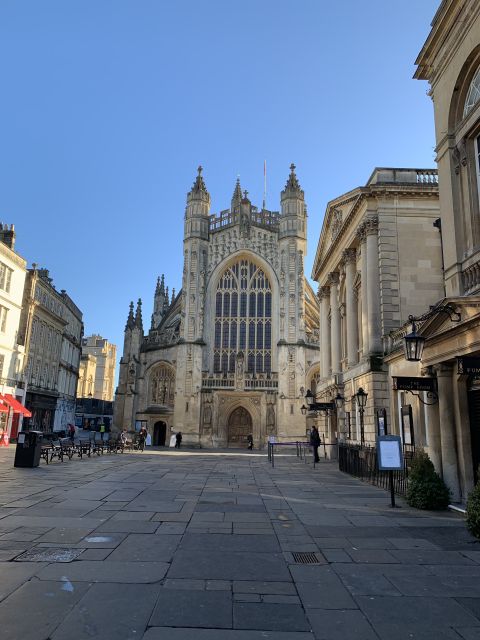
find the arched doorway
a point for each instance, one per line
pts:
(239, 426)
(159, 434)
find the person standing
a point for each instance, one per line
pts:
(315, 442)
(250, 441)
(102, 431)
(142, 436)
(178, 440)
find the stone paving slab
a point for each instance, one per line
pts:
(110, 612)
(211, 550)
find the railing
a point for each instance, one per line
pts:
(11, 382)
(227, 218)
(427, 176)
(471, 278)
(362, 463)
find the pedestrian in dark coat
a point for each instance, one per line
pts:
(315, 442)
(178, 440)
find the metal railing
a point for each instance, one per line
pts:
(362, 463)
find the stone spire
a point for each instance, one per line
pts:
(199, 188)
(292, 188)
(138, 315)
(173, 296)
(160, 289)
(166, 302)
(130, 320)
(237, 195)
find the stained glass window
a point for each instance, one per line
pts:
(243, 319)
(473, 95)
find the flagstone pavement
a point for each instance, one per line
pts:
(199, 545)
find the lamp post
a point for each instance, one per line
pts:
(361, 399)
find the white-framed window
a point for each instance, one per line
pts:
(5, 277)
(473, 95)
(3, 318)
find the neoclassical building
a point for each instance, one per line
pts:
(449, 428)
(230, 354)
(378, 261)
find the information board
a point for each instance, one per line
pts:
(389, 453)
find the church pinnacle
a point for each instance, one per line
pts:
(292, 187)
(237, 195)
(130, 319)
(138, 314)
(199, 184)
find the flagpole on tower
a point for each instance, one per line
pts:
(264, 184)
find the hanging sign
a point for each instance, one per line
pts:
(469, 367)
(414, 384)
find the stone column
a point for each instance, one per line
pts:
(362, 238)
(324, 295)
(333, 280)
(373, 285)
(349, 258)
(433, 435)
(447, 430)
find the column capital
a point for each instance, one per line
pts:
(361, 233)
(371, 225)
(333, 278)
(323, 292)
(443, 370)
(349, 255)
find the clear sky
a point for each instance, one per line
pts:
(108, 107)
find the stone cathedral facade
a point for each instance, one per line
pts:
(230, 354)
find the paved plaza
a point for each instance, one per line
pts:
(197, 545)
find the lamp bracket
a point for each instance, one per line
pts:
(431, 395)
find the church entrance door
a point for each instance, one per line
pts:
(239, 427)
(159, 434)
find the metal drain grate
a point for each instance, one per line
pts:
(49, 555)
(305, 557)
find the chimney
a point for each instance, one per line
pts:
(7, 235)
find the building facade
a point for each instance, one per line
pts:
(449, 424)
(51, 328)
(97, 368)
(227, 356)
(378, 260)
(13, 270)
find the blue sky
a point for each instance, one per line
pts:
(108, 107)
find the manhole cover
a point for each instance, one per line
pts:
(49, 555)
(305, 557)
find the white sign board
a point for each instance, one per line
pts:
(21, 438)
(389, 453)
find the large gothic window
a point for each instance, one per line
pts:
(162, 385)
(473, 95)
(243, 319)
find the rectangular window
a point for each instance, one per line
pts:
(5, 277)
(3, 318)
(2, 362)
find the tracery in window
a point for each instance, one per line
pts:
(473, 95)
(243, 319)
(162, 385)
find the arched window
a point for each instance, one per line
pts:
(243, 319)
(162, 385)
(473, 95)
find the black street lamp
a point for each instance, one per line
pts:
(361, 398)
(314, 406)
(413, 343)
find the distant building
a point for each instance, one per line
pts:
(13, 270)
(97, 368)
(228, 356)
(91, 413)
(51, 329)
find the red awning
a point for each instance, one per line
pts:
(16, 405)
(3, 407)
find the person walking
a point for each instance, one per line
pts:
(142, 436)
(315, 442)
(250, 441)
(178, 440)
(102, 431)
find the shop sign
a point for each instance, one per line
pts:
(469, 367)
(414, 384)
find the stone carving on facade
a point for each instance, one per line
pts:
(361, 234)
(371, 225)
(333, 278)
(336, 225)
(349, 255)
(323, 292)
(270, 419)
